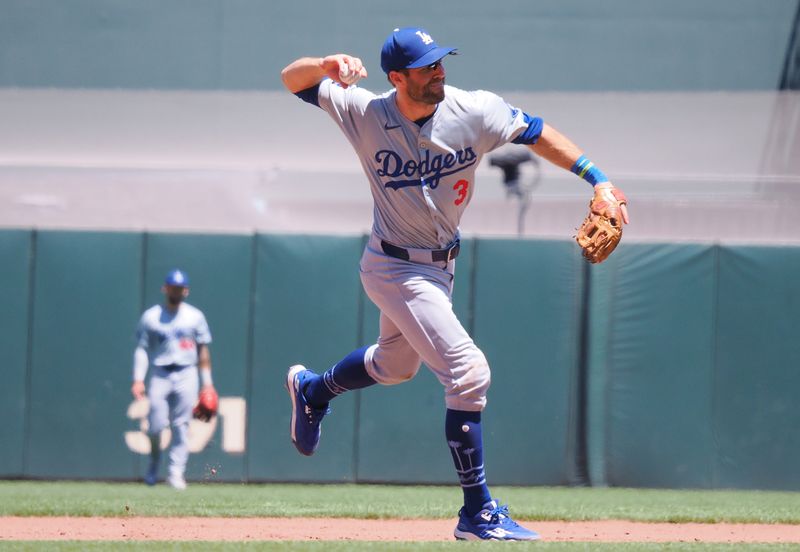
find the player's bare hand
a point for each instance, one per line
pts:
(137, 390)
(344, 69)
(607, 196)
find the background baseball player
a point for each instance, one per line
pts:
(173, 338)
(419, 145)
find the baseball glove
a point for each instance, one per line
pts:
(601, 230)
(207, 404)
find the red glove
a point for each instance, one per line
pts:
(207, 404)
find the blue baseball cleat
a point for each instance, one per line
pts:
(491, 523)
(151, 477)
(305, 424)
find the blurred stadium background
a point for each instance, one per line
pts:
(135, 136)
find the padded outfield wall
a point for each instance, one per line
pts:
(671, 365)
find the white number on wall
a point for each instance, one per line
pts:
(232, 412)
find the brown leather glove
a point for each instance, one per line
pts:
(601, 230)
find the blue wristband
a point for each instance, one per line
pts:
(586, 170)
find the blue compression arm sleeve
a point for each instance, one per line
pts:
(531, 134)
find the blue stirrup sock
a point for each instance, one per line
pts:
(347, 375)
(463, 432)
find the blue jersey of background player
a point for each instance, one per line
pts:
(419, 145)
(173, 339)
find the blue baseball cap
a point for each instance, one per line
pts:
(411, 48)
(177, 278)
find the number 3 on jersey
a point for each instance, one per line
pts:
(461, 186)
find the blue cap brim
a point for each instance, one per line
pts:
(431, 57)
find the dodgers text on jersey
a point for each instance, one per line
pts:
(431, 169)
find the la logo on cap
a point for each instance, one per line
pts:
(426, 38)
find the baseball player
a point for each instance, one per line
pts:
(419, 145)
(173, 338)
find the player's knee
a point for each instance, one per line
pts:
(391, 373)
(408, 371)
(156, 429)
(391, 367)
(469, 387)
(156, 424)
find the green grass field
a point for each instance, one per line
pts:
(24, 498)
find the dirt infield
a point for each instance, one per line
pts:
(268, 529)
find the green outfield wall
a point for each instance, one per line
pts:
(16, 254)
(670, 365)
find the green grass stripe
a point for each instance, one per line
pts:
(26, 498)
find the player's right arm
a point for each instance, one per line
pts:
(141, 360)
(140, 364)
(307, 72)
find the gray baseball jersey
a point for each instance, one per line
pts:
(172, 338)
(422, 178)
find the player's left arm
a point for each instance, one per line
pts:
(204, 364)
(207, 400)
(563, 152)
(203, 339)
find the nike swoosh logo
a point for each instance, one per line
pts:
(387, 126)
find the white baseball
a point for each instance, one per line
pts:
(347, 76)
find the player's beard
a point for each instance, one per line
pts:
(430, 93)
(174, 299)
